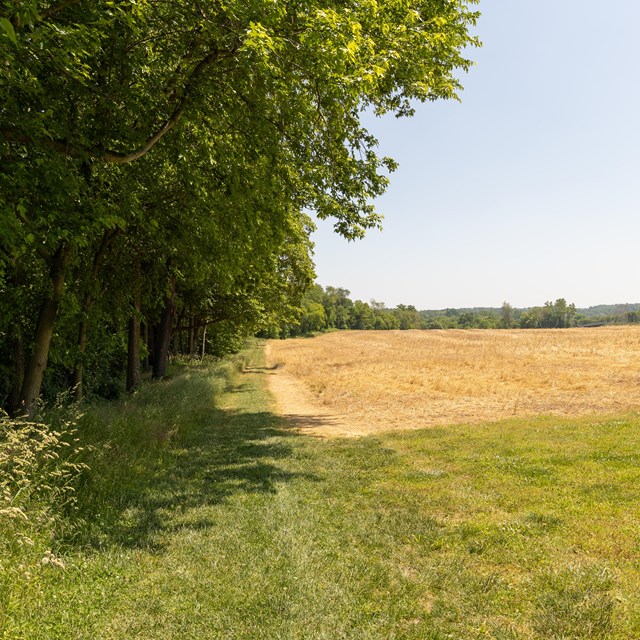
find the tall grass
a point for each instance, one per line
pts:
(39, 467)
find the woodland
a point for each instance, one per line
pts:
(161, 165)
(331, 308)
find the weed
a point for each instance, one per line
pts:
(39, 467)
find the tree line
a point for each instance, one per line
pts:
(331, 308)
(158, 160)
(325, 309)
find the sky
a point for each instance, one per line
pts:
(526, 191)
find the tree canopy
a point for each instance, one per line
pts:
(158, 162)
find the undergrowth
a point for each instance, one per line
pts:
(65, 475)
(39, 467)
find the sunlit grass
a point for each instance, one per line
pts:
(204, 518)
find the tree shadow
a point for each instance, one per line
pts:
(261, 370)
(145, 486)
(317, 425)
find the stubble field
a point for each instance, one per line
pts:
(361, 382)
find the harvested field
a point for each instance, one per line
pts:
(361, 382)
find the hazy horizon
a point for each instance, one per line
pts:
(354, 297)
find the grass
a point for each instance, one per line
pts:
(203, 517)
(412, 379)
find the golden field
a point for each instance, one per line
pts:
(379, 380)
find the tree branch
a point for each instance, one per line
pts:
(116, 157)
(206, 323)
(40, 250)
(107, 238)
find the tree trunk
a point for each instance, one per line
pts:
(163, 339)
(133, 351)
(192, 332)
(204, 342)
(18, 370)
(82, 345)
(179, 322)
(146, 363)
(87, 303)
(196, 337)
(44, 332)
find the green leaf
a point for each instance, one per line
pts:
(8, 29)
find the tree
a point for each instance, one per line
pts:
(408, 317)
(100, 99)
(363, 317)
(313, 318)
(506, 312)
(558, 315)
(339, 307)
(468, 320)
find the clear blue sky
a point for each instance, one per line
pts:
(527, 191)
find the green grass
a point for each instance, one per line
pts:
(203, 518)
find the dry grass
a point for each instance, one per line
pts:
(379, 380)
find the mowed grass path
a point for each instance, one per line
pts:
(205, 518)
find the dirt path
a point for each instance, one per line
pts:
(297, 405)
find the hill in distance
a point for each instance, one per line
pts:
(595, 311)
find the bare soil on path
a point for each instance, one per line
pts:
(300, 408)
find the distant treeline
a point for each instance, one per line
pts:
(324, 309)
